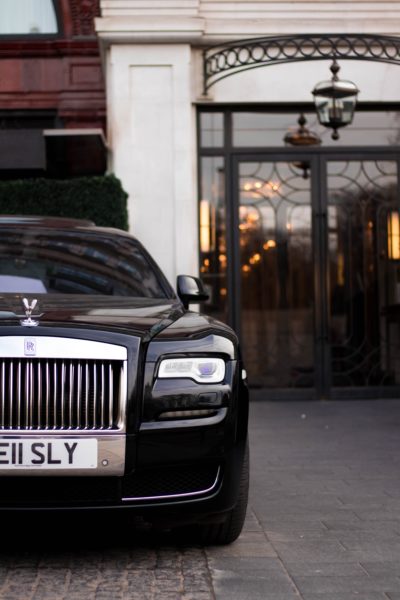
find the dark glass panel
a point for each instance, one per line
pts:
(211, 130)
(268, 129)
(276, 274)
(364, 275)
(213, 249)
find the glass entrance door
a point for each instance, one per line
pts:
(363, 273)
(276, 274)
(318, 273)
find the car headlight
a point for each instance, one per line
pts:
(202, 370)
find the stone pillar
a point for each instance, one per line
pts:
(152, 134)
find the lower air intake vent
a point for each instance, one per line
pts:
(170, 482)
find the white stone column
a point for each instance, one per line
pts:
(151, 123)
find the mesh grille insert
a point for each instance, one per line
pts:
(175, 481)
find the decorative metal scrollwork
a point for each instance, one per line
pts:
(227, 59)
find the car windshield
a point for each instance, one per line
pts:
(76, 262)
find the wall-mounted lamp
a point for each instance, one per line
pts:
(335, 101)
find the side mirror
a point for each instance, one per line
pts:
(190, 290)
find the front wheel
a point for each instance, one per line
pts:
(230, 529)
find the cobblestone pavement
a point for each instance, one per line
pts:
(323, 524)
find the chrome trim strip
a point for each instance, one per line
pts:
(11, 387)
(71, 394)
(169, 496)
(39, 385)
(47, 394)
(29, 395)
(62, 394)
(3, 392)
(94, 397)
(87, 396)
(18, 394)
(179, 423)
(55, 395)
(123, 398)
(102, 379)
(78, 393)
(111, 396)
(59, 347)
(45, 433)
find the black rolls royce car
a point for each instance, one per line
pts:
(113, 395)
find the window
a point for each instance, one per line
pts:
(27, 17)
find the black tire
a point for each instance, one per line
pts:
(229, 530)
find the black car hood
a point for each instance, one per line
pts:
(144, 317)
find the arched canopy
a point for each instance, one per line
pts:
(225, 60)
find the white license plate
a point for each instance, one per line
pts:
(63, 453)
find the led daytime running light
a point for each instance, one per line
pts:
(202, 370)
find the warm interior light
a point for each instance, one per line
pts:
(393, 225)
(255, 258)
(205, 226)
(252, 217)
(269, 244)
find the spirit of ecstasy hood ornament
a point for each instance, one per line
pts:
(29, 322)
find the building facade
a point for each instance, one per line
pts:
(52, 96)
(298, 246)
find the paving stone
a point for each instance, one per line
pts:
(323, 524)
(374, 550)
(353, 584)
(253, 585)
(380, 569)
(318, 569)
(319, 550)
(269, 566)
(346, 596)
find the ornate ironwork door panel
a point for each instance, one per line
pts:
(316, 283)
(363, 273)
(276, 274)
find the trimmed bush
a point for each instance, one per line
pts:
(101, 199)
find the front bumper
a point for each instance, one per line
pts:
(186, 492)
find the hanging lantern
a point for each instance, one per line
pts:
(302, 137)
(335, 101)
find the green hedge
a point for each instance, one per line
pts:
(101, 199)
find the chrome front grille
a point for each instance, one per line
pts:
(62, 393)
